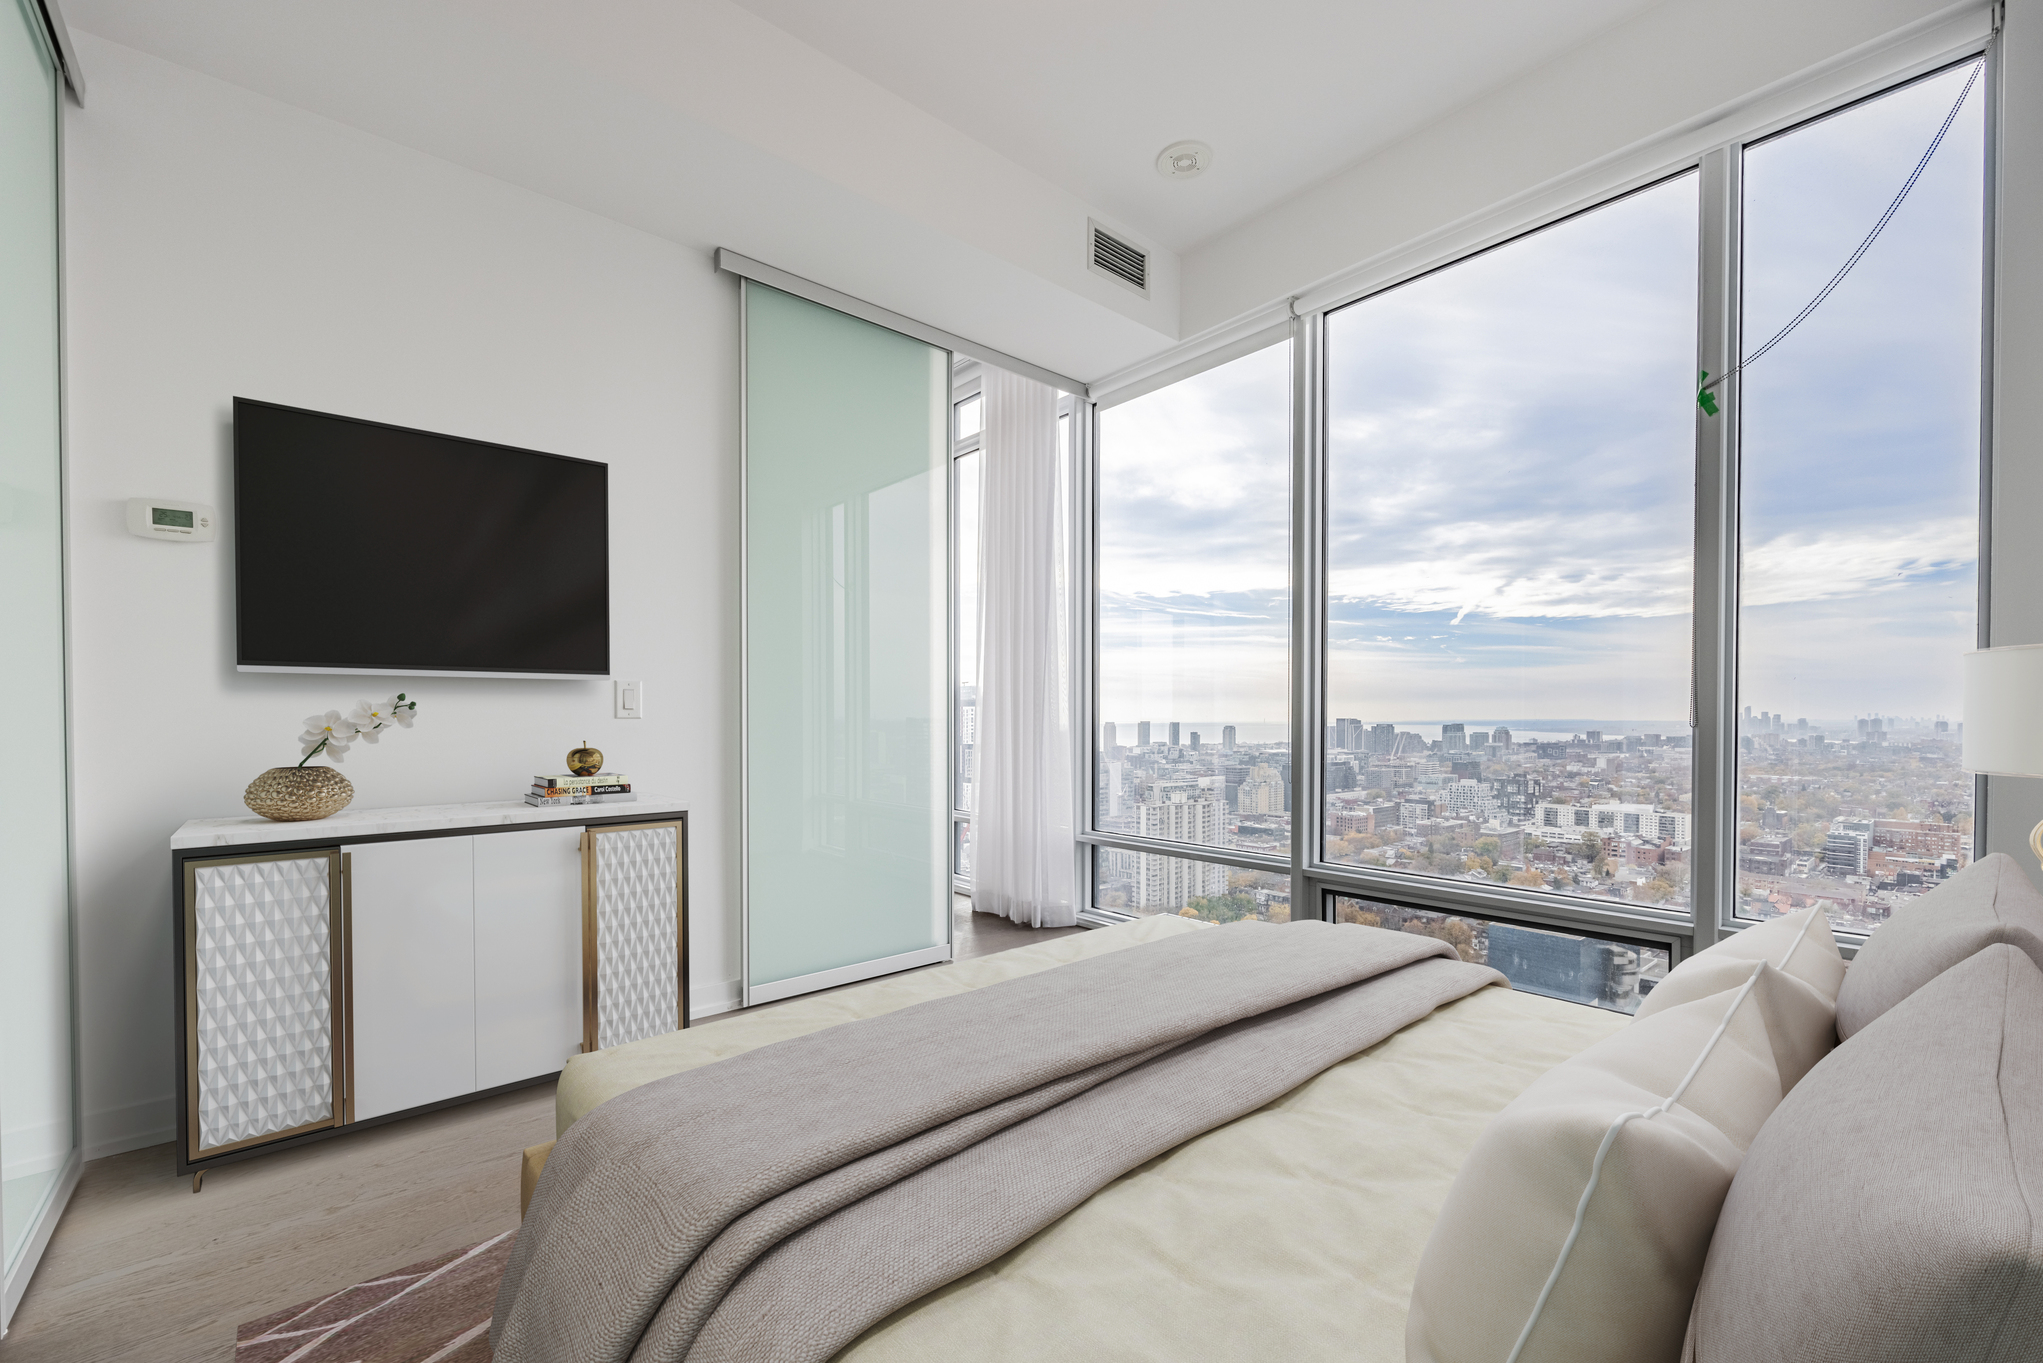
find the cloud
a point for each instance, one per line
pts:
(1512, 462)
(1848, 563)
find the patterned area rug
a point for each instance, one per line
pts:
(434, 1312)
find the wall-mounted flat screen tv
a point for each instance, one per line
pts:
(361, 547)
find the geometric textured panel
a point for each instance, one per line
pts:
(265, 998)
(637, 954)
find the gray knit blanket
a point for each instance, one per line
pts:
(771, 1207)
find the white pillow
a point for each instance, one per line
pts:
(1798, 944)
(1575, 1232)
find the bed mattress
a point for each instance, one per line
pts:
(1291, 1233)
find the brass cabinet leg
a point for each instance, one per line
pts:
(198, 1180)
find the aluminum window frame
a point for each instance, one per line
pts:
(1988, 51)
(967, 377)
(1506, 901)
(1709, 917)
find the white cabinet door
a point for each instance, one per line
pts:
(528, 953)
(412, 972)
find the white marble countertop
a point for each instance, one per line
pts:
(244, 829)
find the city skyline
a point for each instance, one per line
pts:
(1511, 453)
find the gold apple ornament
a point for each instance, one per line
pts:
(585, 760)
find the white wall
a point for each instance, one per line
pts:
(222, 244)
(2016, 607)
(702, 123)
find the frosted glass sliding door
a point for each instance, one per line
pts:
(847, 801)
(38, 1145)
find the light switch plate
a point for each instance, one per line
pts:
(631, 699)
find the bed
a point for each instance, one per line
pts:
(1292, 1232)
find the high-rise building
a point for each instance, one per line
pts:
(1172, 882)
(1173, 733)
(1517, 795)
(1195, 740)
(1480, 738)
(1562, 965)
(1501, 736)
(1227, 738)
(1453, 737)
(1263, 792)
(1348, 733)
(1380, 738)
(1471, 799)
(1116, 773)
(1594, 738)
(1107, 735)
(1405, 744)
(1142, 734)
(1845, 852)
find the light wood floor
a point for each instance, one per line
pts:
(142, 1271)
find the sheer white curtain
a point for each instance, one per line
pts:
(1022, 862)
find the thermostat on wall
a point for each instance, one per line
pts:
(154, 518)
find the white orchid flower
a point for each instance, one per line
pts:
(330, 726)
(371, 717)
(332, 734)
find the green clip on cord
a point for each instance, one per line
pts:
(1704, 397)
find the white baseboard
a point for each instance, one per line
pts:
(707, 1000)
(117, 1130)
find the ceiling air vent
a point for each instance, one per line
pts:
(1118, 261)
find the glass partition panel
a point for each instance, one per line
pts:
(1859, 507)
(36, 1135)
(848, 842)
(1600, 971)
(1147, 883)
(1510, 529)
(1193, 572)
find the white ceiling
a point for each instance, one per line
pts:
(940, 159)
(1085, 93)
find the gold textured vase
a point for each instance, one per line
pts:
(289, 794)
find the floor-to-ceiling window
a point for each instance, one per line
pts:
(1510, 525)
(968, 423)
(1192, 570)
(1597, 644)
(1859, 504)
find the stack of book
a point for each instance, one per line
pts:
(602, 789)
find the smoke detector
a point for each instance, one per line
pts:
(1183, 160)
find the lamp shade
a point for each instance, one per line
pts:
(2004, 711)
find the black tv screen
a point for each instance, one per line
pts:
(361, 547)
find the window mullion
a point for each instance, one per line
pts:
(1714, 694)
(1308, 601)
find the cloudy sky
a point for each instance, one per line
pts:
(1511, 467)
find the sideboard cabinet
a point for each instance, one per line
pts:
(380, 963)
